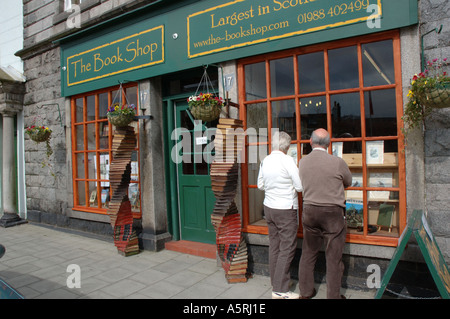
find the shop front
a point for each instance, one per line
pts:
(292, 65)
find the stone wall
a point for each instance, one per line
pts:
(433, 14)
(48, 179)
(45, 177)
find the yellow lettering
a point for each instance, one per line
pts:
(75, 66)
(131, 49)
(232, 19)
(289, 4)
(97, 59)
(137, 50)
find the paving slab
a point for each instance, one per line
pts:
(37, 258)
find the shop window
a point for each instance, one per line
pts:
(92, 152)
(352, 88)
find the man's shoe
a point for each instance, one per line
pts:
(284, 295)
(309, 297)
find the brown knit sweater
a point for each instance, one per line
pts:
(324, 178)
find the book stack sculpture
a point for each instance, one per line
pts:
(231, 246)
(119, 211)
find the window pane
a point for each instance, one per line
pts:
(382, 153)
(91, 136)
(92, 166)
(354, 211)
(253, 171)
(131, 95)
(383, 213)
(104, 135)
(105, 197)
(186, 120)
(255, 81)
(311, 72)
(282, 77)
(345, 115)
(256, 207)
(255, 154)
(134, 196)
(378, 63)
(305, 148)
(134, 166)
(379, 177)
(283, 117)
(343, 66)
(201, 168)
(116, 97)
(90, 108)
(79, 137)
(79, 110)
(102, 105)
(81, 193)
(351, 153)
(381, 113)
(93, 194)
(293, 152)
(80, 165)
(104, 169)
(313, 115)
(188, 165)
(257, 116)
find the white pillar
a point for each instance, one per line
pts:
(11, 103)
(10, 216)
(9, 176)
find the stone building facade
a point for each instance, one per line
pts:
(49, 187)
(435, 14)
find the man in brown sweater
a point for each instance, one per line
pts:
(324, 178)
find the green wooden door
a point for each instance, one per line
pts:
(196, 199)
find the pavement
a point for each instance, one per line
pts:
(43, 262)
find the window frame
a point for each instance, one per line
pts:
(98, 149)
(394, 35)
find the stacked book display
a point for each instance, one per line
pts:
(231, 246)
(119, 211)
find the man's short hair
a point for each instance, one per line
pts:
(319, 140)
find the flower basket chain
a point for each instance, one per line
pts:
(120, 115)
(205, 106)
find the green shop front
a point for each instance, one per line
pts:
(293, 65)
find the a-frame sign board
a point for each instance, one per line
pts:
(418, 226)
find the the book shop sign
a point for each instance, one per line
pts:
(134, 51)
(149, 42)
(241, 23)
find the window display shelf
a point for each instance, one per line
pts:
(389, 160)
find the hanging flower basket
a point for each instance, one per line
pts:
(121, 114)
(39, 133)
(428, 90)
(437, 97)
(205, 107)
(120, 119)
